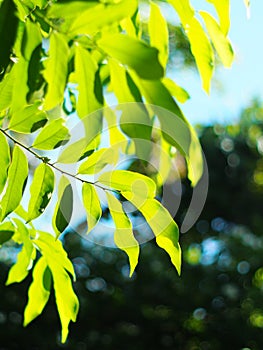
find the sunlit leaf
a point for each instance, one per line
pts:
(20, 69)
(90, 96)
(134, 53)
(52, 249)
(223, 10)
(6, 90)
(124, 180)
(20, 269)
(200, 45)
(52, 135)
(31, 39)
(180, 94)
(28, 119)
(176, 130)
(16, 180)
(220, 41)
(39, 291)
(159, 35)
(41, 190)
(64, 207)
(4, 161)
(60, 265)
(98, 160)
(100, 16)
(56, 68)
(92, 205)
(123, 236)
(161, 223)
(76, 150)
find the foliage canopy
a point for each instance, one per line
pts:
(58, 58)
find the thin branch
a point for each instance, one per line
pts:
(46, 160)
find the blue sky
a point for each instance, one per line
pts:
(232, 89)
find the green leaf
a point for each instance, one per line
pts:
(52, 135)
(20, 71)
(20, 269)
(41, 190)
(100, 16)
(28, 119)
(202, 50)
(90, 97)
(134, 53)
(180, 94)
(223, 10)
(134, 121)
(7, 230)
(176, 130)
(64, 207)
(200, 45)
(56, 70)
(53, 251)
(124, 180)
(16, 180)
(6, 90)
(66, 300)
(73, 152)
(162, 224)
(184, 10)
(159, 34)
(91, 203)
(39, 291)
(123, 236)
(98, 160)
(31, 39)
(58, 263)
(8, 24)
(219, 40)
(4, 160)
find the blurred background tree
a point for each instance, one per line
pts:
(217, 303)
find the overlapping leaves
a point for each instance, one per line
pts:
(53, 47)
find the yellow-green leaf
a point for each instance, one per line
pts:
(159, 35)
(56, 69)
(52, 135)
(41, 190)
(59, 265)
(162, 224)
(92, 205)
(123, 236)
(6, 90)
(39, 291)
(134, 53)
(64, 207)
(100, 16)
(219, 40)
(16, 180)
(90, 97)
(28, 119)
(124, 180)
(223, 10)
(4, 160)
(98, 160)
(180, 94)
(20, 269)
